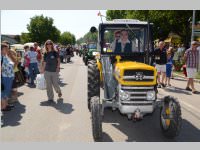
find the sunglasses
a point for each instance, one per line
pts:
(49, 44)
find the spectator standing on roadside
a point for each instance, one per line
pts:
(192, 61)
(12, 54)
(169, 65)
(39, 54)
(8, 61)
(38, 50)
(51, 68)
(160, 55)
(33, 66)
(26, 63)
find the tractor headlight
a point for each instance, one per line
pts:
(95, 53)
(124, 95)
(151, 95)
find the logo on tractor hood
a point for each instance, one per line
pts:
(139, 76)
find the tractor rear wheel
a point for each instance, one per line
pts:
(93, 81)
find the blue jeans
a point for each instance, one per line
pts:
(7, 82)
(33, 71)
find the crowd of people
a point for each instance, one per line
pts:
(16, 71)
(164, 64)
(66, 52)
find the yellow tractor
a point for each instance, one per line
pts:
(122, 77)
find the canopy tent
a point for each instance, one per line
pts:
(17, 46)
(30, 44)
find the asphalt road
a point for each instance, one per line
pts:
(68, 119)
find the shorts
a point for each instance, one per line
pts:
(191, 72)
(161, 68)
(168, 70)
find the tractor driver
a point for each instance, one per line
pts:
(124, 45)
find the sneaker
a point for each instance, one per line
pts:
(163, 85)
(188, 89)
(158, 86)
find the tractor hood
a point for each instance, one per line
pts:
(132, 65)
(135, 73)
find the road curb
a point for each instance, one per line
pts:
(195, 80)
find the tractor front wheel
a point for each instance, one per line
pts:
(96, 118)
(170, 117)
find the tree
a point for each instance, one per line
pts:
(165, 21)
(116, 14)
(25, 38)
(67, 38)
(41, 28)
(88, 37)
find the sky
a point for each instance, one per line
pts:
(78, 22)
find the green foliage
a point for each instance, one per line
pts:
(67, 38)
(88, 37)
(165, 21)
(41, 28)
(25, 38)
(116, 14)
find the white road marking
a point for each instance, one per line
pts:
(190, 106)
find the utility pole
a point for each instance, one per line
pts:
(193, 24)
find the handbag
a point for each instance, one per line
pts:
(40, 82)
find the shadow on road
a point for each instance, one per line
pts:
(148, 129)
(177, 90)
(13, 117)
(19, 94)
(180, 79)
(65, 108)
(106, 138)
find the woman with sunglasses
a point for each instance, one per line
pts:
(51, 68)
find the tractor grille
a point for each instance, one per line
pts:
(138, 75)
(138, 93)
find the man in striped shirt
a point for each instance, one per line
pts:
(192, 61)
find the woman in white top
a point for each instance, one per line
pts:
(33, 66)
